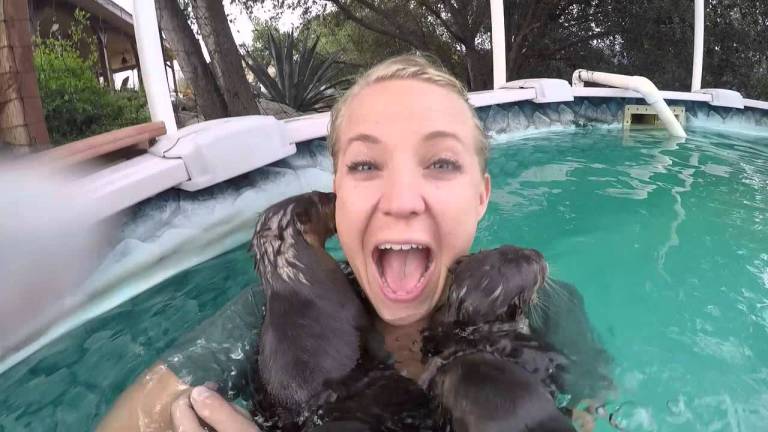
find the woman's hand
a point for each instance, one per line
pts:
(203, 404)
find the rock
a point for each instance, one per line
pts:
(187, 118)
(749, 117)
(482, 113)
(553, 115)
(714, 117)
(735, 116)
(276, 110)
(588, 111)
(604, 115)
(541, 121)
(567, 116)
(517, 120)
(497, 121)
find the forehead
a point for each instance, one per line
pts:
(397, 107)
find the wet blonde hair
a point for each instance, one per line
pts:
(415, 67)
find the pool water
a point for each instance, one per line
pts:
(666, 240)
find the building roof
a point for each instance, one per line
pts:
(108, 11)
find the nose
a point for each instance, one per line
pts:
(402, 196)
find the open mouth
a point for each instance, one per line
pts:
(403, 269)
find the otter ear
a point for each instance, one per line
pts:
(302, 216)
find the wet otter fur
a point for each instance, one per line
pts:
(311, 335)
(486, 373)
(314, 319)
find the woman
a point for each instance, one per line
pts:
(409, 157)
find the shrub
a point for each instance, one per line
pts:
(76, 105)
(304, 80)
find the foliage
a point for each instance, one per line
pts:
(75, 103)
(551, 38)
(302, 79)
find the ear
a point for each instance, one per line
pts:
(485, 196)
(303, 216)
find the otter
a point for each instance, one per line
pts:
(486, 372)
(315, 327)
(314, 319)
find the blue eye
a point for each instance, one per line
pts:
(445, 164)
(361, 166)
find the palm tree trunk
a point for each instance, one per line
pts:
(226, 61)
(185, 46)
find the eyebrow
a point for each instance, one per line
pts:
(364, 138)
(438, 134)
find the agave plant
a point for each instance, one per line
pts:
(302, 79)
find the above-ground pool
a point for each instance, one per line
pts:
(666, 240)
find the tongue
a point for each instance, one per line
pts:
(402, 269)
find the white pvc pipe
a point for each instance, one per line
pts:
(642, 85)
(498, 44)
(152, 65)
(698, 46)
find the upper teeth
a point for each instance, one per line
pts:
(395, 246)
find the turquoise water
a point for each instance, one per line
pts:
(666, 241)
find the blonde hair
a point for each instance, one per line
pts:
(409, 66)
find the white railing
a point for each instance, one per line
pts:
(152, 64)
(698, 46)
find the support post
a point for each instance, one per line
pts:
(698, 46)
(498, 44)
(152, 64)
(22, 120)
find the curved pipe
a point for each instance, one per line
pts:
(642, 85)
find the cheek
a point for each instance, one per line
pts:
(456, 212)
(351, 217)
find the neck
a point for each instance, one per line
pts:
(404, 342)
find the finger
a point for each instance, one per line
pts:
(219, 413)
(183, 415)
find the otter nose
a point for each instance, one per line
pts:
(402, 196)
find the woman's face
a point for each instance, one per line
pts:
(410, 193)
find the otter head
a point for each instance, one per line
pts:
(316, 217)
(308, 217)
(491, 285)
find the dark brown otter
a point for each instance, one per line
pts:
(486, 373)
(492, 285)
(313, 322)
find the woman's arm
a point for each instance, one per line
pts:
(146, 404)
(218, 350)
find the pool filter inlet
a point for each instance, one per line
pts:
(646, 116)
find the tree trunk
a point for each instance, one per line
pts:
(189, 54)
(225, 58)
(479, 67)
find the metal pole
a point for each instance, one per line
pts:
(698, 46)
(152, 64)
(498, 44)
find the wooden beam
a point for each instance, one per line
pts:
(99, 145)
